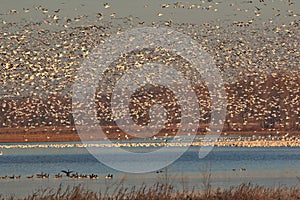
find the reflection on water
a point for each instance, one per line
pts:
(269, 166)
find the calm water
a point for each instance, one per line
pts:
(272, 167)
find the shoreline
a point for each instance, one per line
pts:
(233, 139)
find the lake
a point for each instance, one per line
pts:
(268, 166)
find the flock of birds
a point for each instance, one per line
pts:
(277, 139)
(69, 174)
(259, 61)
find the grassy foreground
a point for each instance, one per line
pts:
(166, 192)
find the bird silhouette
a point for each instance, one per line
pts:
(68, 173)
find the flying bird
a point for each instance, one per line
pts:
(68, 173)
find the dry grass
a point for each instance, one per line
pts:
(166, 192)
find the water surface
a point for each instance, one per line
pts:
(268, 166)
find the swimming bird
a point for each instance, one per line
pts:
(83, 176)
(30, 177)
(42, 175)
(93, 176)
(242, 169)
(12, 177)
(57, 176)
(76, 175)
(109, 176)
